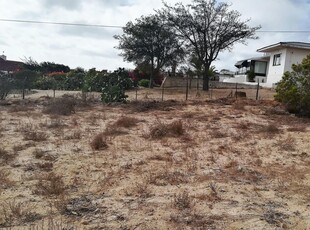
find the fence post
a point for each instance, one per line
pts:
(163, 89)
(236, 90)
(257, 90)
(136, 93)
(186, 88)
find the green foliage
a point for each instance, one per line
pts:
(114, 88)
(45, 83)
(45, 67)
(294, 88)
(251, 75)
(6, 85)
(113, 93)
(149, 42)
(144, 83)
(24, 79)
(74, 80)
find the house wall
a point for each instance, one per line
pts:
(294, 56)
(275, 73)
(289, 56)
(237, 79)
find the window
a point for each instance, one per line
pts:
(277, 59)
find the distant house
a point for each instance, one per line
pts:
(8, 66)
(269, 68)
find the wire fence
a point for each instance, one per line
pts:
(194, 92)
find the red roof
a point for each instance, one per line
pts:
(10, 66)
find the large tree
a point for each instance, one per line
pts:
(207, 27)
(149, 40)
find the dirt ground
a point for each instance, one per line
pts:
(196, 164)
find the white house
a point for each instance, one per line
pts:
(269, 68)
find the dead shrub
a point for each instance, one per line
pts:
(218, 134)
(5, 182)
(60, 106)
(5, 157)
(76, 135)
(142, 189)
(112, 130)
(20, 108)
(166, 177)
(35, 136)
(270, 129)
(297, 128)
(173, 129)
(49, 185)
(55, 123)
(38, 153)
(239, 105)
(126, 122)
(99, 142)
(183, 201)
(144, 106)
(287, 144)
(16, 213)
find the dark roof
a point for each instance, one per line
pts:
(244, 63)
(299, 45)
(10, 66)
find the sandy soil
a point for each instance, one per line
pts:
(199, 164)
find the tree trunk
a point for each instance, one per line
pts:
(152, 74)
(206, 77)
(205, 85)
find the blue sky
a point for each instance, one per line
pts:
(89, 47)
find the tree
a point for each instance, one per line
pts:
(44, 67)
(208, 28)
(294, 88)
(149, 40)
(24, 79)
(6, 85)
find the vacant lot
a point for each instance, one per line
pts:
(202, 164)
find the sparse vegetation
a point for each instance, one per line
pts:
(99, 142)
(61, 106)
(50, 185)
(173, 129)
(171, 167)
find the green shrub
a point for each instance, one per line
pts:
(114, 88)
(144, 83)
(294, 89)
(6, 85)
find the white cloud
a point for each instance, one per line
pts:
(94, 47)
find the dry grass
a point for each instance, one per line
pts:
(126, 122)
(16, 213)
(196, 177)
(270, 129)
(50, 185)
(160, 130)
(6, 157)
(5, 182)
(60, 106)
(99, 142)
(183, 201)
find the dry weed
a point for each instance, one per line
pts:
(5, 182)
(270, 129)
(6, 157)
(49, 185)
(99, 142)
(287, 144)
(16, 213)
(173, 129)
(60, 106)
(183, 201)
(126, 122)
